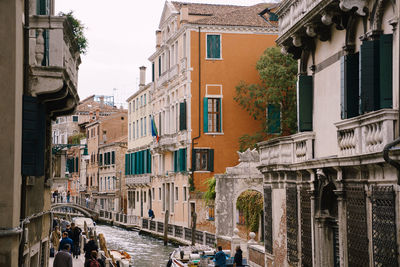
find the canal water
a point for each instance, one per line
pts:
(146, 251)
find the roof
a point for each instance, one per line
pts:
(229, 15)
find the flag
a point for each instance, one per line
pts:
(154, 132)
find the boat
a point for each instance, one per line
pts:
(80, 222)
(122, 257)
(198, 255)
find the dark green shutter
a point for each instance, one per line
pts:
(182, 116)
(369, 74)
(159, 66)
(148, 170)
(175, 161)
(305, 103)
(112, 157)
(141, 162)
(209, 46)
(213, 46)
(274, 118)
(217, 46)
(210, 160)
(193, 159)
(386, 70)
(145, 161)
(349, 87)
(184, 159)
(152, 72)
(205, 114)
(127, 164)
(159, 124)
(33, 137)
(76, 164)
(43, 7)
(101, 159)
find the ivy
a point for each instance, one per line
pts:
(209, 195)
(76, 138)
(78, 31)
(250, 203)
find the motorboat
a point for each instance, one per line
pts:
(121, 257)
(198, 255)
(80, 222)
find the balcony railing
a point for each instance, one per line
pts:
(367, 133)
(173, 72)
(183, 65)
(287, 150)
(138, 180)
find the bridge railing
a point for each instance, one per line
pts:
(83, 202)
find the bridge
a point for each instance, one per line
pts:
(87, 208)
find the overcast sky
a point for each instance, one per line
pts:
(121, 35)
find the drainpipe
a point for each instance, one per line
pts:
(198, 136)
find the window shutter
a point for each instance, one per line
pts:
(76, 164)
(182, 116)
(149, 161)
(369, 74)
(193, 160)
(386, 70)
(210, 159)
(274, 118)
(126, 164)
(33, 137)
(145, 161)
(304, 103)
(184, 159)
(159, 66)
(175, 161)
(101, 159)
(209, 46)
(159, 124)
(142, 156)
(349, 87)
(152, 72)
(112, 157)
(217, 46)
(205, 114)
(132, 163)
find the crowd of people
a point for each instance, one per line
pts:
(66, 246)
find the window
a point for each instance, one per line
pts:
(137, 129)
(203, 160)
(213, 46)
(179, 160)
(152, 72)
(211, 212)
(184, 45)
(137, 104)
(112, 157)
(159, 193)
(141, 127)
(305, 102)
(133, 130)
(144, 126)
(176, 194)
(133, 105)
(75, 118)
(144, 99)
(212, 115)
(184, 194)
(144, 196)
(129, 132)
(182, 116)
(152, 194)
(130, 105)
(137, 196)
(159, 66)
(141, 101)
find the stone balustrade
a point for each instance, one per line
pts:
(183, 65)
(173, 72)
(138, 180)
(367, 133)
(287, 150)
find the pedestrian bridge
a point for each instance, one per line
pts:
(87, 208)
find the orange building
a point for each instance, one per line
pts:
(203, 51)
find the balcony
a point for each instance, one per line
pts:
(301, 19)
(287, 150)
(170, 142)
(54, 59)
(183, 65)
(173, 72)
(367, 133)
(138, 180)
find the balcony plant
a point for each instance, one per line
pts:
(77, 28)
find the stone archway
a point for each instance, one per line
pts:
(238, 179)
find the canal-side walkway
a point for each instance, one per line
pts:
(79, 262)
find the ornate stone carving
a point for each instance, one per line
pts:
(310, 30)
(326, 18)
(296, 40)
(360, 5)
(249, 156)
(39, 49)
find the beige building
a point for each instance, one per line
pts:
(38, 73)
(331, 191)
(138, 171)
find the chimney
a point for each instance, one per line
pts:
(142, 76)
(184, 14)
(158, 38)
(102, 101)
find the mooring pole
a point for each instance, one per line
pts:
(166, 227)
(194, 217)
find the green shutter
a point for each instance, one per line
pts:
(209, 46)
(76, 164)
(182, 116)
(217, 46)
(159, 66)
(43, 7)
(386, 70)
(141, 162)
(175, 161)
(144, 161)
(369, 75)
(210, 160)
(205, 114)
(149, 166)
(193, 160)
(33, 137)
(304, 103)
(112, 157)
(274, 118)
(127, 164)
(184, 159)
(101, 159)
(349, 87)
(213, 46)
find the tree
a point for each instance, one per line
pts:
(278, 87)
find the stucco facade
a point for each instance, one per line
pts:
(330, 196)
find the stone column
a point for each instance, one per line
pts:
(342, 224)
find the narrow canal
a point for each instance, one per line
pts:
(146, 251)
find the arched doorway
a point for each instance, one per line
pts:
(249, 213)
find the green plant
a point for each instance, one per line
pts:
(209, 195)
(78, 31)
(250, 203)
(76, 138)
(191, 184)
(278, 74)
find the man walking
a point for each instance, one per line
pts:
(75, 236)
(66, 240)
(63, 257)
(220, 258)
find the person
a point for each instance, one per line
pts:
(92, 262)
(75, 235)
(63, 224)
(151, 214)
(238, 259)
(66, 240)
(63, 196)
(63, 258)
(87, 202)
(55, 238)
(88, 248)
(68, 196)
(68, 230)
(220, 258)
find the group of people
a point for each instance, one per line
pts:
(61, 197)
(66, 246)
(220, 258)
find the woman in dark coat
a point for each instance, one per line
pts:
(238, 257)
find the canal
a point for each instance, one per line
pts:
(146, 251)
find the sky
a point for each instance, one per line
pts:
(121, 36)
